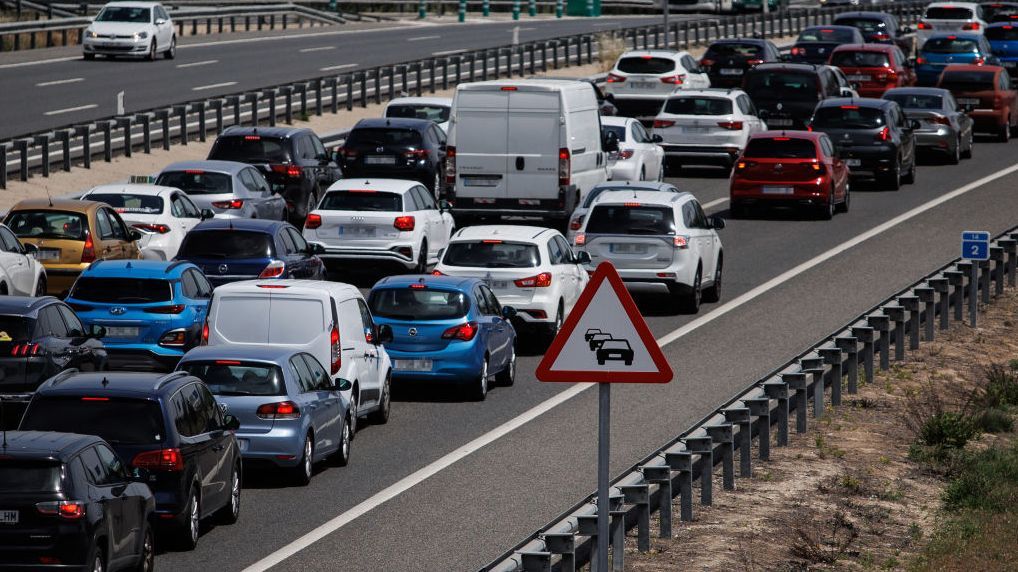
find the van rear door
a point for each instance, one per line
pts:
(480, 140)
(534, 126)
(239, 318)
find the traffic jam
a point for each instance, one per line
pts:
(160, 339)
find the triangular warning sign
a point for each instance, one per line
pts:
(605, 339)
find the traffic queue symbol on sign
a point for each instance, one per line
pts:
(605, 339)
(975, 245)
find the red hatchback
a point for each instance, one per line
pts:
(986, 93)
(790, 168)
(875, 68)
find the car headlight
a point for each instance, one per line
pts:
(140, 35)
(90, 33)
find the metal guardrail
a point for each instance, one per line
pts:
(813, 380)
(183, 122)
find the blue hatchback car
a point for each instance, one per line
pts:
(446, 328)
(1003, 38)
(230, 250)
(152, 311)
(940, 50)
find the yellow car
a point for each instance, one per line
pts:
(70, 235)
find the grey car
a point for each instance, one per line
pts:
(943, 127)
(230, 189)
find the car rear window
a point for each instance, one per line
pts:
(1002, 34)
(999, 12)
(645, 65)
(249, 149)
(379, 136)
(226, 243)
(48, 224)
(780, 148)
(596, 192)
(418, 304)
(733, 49)
(698, 106)
(117, 420)
(826, 35)
(860, 59)
(492, 254)
(29, 476)
(362, 201)
(777, 84)
(127, 203)
(122, 290)
(950, 45)
(864, 24)
(15, 328)
(848, 117)
(947, 13)
(436, 113)
(916, 101)
(635, 220)
(618, 130)
(197, 182)
(236, 377)
(968, 81)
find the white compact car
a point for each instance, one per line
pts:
(20, 273)
(436, 109)
(530, 268)
(707, 126)
(639, 157)
(329, 320)
(657, 241)
(380, 220)
(640, 81)
(576, 220)
(950, 17)
(164, 215)
(137, 29)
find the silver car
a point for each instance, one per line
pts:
(230, 189)
(944, 128)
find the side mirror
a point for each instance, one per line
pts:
(906, 30)
(444, 206)
(846, 92)
(231, 423)
(384, 334)
(583, 257)
(134, 234)
(656, 138)
(914, 124)
(160, 21)
(206, 214)
(508, 312)
(30, 249)
(341, 384)
(315, 248)
(763, 114)
(97, 332)
(610, 142)
(716, 222)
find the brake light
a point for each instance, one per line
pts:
(979, 61)
(174, 309)
(940, 119)
(924, 26)
(416, 153)
(194, 172)
(705, 62)
(576, 223)
(313, 221)
(674, 79)
(681, 242)
(754, 62)
(580, 239)
(278, 410)
(404, 223)
(160, 459)
(450, 165)
(95, 398)
(274, 269)
(631, 204)
(158, 228)
(542, 280)
(796, 51)
(88, 249)
(335, 354)
(509, 88)
(204, 334)
(437, 273)
(662, 123)
(881, 37)
(290, 170)
(625, 154)
(252, 138)
(227, 362)
(971, 26)
(347, 152)
(71, 510)
(884, 134)
(565, 166)
(465, 332)
(417, 286)
(231, 204)
(732, 125)
(615, 78)
(26, 349)
(920, 60)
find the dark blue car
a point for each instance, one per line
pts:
(447, 329)
(1003, 38)
(244, 249)
(942, 50)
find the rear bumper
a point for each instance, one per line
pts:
(459, 361)
(338, 255)
(559, 207)
(60, 279)
(723, 154)
(809, 193)
(991, 119)
(940, 139)
(141, 357)
(872, 162)
(282, 446)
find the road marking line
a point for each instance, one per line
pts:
(196, 64)
(213, 86)
(339, 67)
(447, 52)
(39, 62)
(60, 82)
(458, 454)
(419, 38)
(523, 30)
(71, 109)
(318, 49)
(714, 203)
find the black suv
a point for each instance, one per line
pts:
(786, 94)
(880, 28)
(395, 149)
(167, 426)
(814, 45)
(726, 61)
(293, 160)
(39, 338)
(872, 136)
(66, 501)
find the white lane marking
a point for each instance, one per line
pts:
(318, 49)
(71, 109)
(213, 86)
(502, 430)
(714, 203)
(523, 30)
(419, 38)
(60, 81)
(447, 52)
(39, 62)
(339, 67)
(196, 64)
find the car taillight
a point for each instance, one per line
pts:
(796, 51)
(940, 119)
(405, 223)
(88, 249)
(288, 169)
(971, 26)
(204, 334)
(347, 152)
(924, 26)
(437, 273)
(565, 167)
(174, 338)
(754, 62)
(576, 223)
(336, 355)
(615, 78)
(706, 62)
(674, 79)
(274, 269)
(465, 332)
(26, 349)
(450, 165)
(681, 242)
(732, 125)
(313, 221)
(278, 410)
(920, 60)
(580, 239)
(71, 510)
(662, 123)
(158, 228)
(231, 204)
(160, 459)
(625, 154)
(416, 153)
(881, 37)
(542, 280)
(174, 309)
(884, 134)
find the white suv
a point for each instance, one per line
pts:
(131, 29)
(530, 268)
(380, 220)
(641, 80)
(707, 126)
(950, 17)
(658, 241)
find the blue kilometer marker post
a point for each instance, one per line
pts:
(975, 246)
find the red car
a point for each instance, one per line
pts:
(790, 168)
(986, 93)
(875, 68)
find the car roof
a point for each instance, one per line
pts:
(504, 231)
(112, 383)
(248, 224)
(870, 102)
(45, 444)
(916, 90)
(756, 41)
(71, 205)
(863, 14)
(425, 100)
(338, 289)
(674, 54)
(843, 27)
(789, 66)
(151, 269)
(406, 280)
(655, 198)
(24, 305)
(228, 167)
(790, 133)
(1006, 24)
(132, 4)
(712, 91)
(400, 186)
(883, 48)
(972, 5)
(131, 188)
(254, 352)
(616, 120)
(653, 186)
(395, 122)
(234, 130)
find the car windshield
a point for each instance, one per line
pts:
(15, 328)
(733, 49)
(127, 203)
(630, 219)
(197, 182)
(780, 148)
(358, 200)
(236, 377)
(951, 45)
(115, 419)
(434, 112)
(615, 345)
(492, 254)
(860, 59)
(916, 100)
(418, 304)
(692, 105)
(868, 25)
(249, 149)
(645, 65)
(122, 290)
(48, 224)
(1002, 33)
(848, 117)
(381, 136)
(778, 85)
(947, 13)
(29, 476)
(839, 35)
(226, 243)
(125, 14)
(618, 130)
(968, 81)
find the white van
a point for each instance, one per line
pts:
(523, 147)
(327, 319)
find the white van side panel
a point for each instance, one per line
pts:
(240, 318)
(589, 163)
(479, 135)
(535, 126)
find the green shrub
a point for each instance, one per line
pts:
(994, 421)
(1000, 387)
(947, 429)
(989, 481)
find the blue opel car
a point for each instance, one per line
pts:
(447, 329)
(153, 311)
(956, 48)
(1003, 38)
(230, 250)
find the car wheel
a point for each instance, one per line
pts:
(690, 303)
(172, 52)
(422, 259)
(479, 389)
(40, 287)
(231, 511)
(380, 416)
(713, 294)
(955, 155)
(147, 558)
(893, 181)
(555, 326)
(98, 561)
(88, 57)
(507, 377)
(1004, 135)
(843, 207)
(342, 455)
(826, 211)
(354, 404)
(301, 474)
(436, 186)
(967, 153)
(152, 52)
(909, 178)
(187, 535)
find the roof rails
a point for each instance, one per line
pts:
(169, 377)
(542, 231)
(173, 265)
(60, 377)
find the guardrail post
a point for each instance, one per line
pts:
(639, 495)
(882, 324)
(349, 92)
(432, 68)
(965, 267)
(126, 124)
(740, 417)
(85, 132)
(403, 83)
(181, 111)
(723, 435)
(618, 533)
(445, 73)
(64, 137)
(535, 561)
(43, 142)
(107, 129)
(418, 82)
(302, 91)
(832, 357)
(956, 279)
(1010, 246)
(703, 447)
(146, 131)
(376, 80)
(392, 82)
(662, 477)
(897, 314)
(473, 68)
(911, 305)
(3, 166)
(850, 346)
(814, 366)
(865, 334)
(287, 92)
(683, 463)
(217, 108)
(202, 127)
(760, 408)
(928, 297)
(984, 280)
(554, 55)
(234, 101)
(997, 257)
(333, 84)
(364, 89)
(563, 544)
(586, 525)
(22, 146)
(253, 101)
(797, 383)
(939, 286)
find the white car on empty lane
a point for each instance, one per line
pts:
(137, 29)
(380, 220)
(639, 157)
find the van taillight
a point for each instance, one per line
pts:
(450, 165)
(204, 334)
(337, 356)
(275, 269)
(278, 410)
(576, 223)
(160, 459)
(565, 167)
(88, 250)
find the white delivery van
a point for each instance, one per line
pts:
(329, 320)
(527, 147)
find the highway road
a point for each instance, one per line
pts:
(446, 486)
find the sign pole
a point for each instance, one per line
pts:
(604, 399)
(667, 8)
(973, 293)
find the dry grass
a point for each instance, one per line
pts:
(609, 48)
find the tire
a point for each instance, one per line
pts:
(422, 259)
(147, 562)
(954, 157)
(554, 327)
(1004, 134)
(826, 212)
(690, 303)
(436, 185)
(380, 416)
(40, 287)
(188, 531)
(300, 475)
(479, 387)
(661, 172)
(172, 51)
(355, 399)
(88, 57)
(909, 178)
(341, 457)
(152, 52)
(843, 207)
(893, 181)
(230, 512)
(713, 294)
(98, 563)
(967, 153)
(507, 377)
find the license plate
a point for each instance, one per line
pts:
(498, 284)
(628, 248)
(778, 190)
(779, 121)
(695, 129)
(357, 231)
(47, 254)
(859, 77)
(413, 364)
(379, 160)
(1010, 64)
(8, 517)
(731, 71)
(480, 181)
(643, 85)
(968, 100)
(853, 162)
(121, 332)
